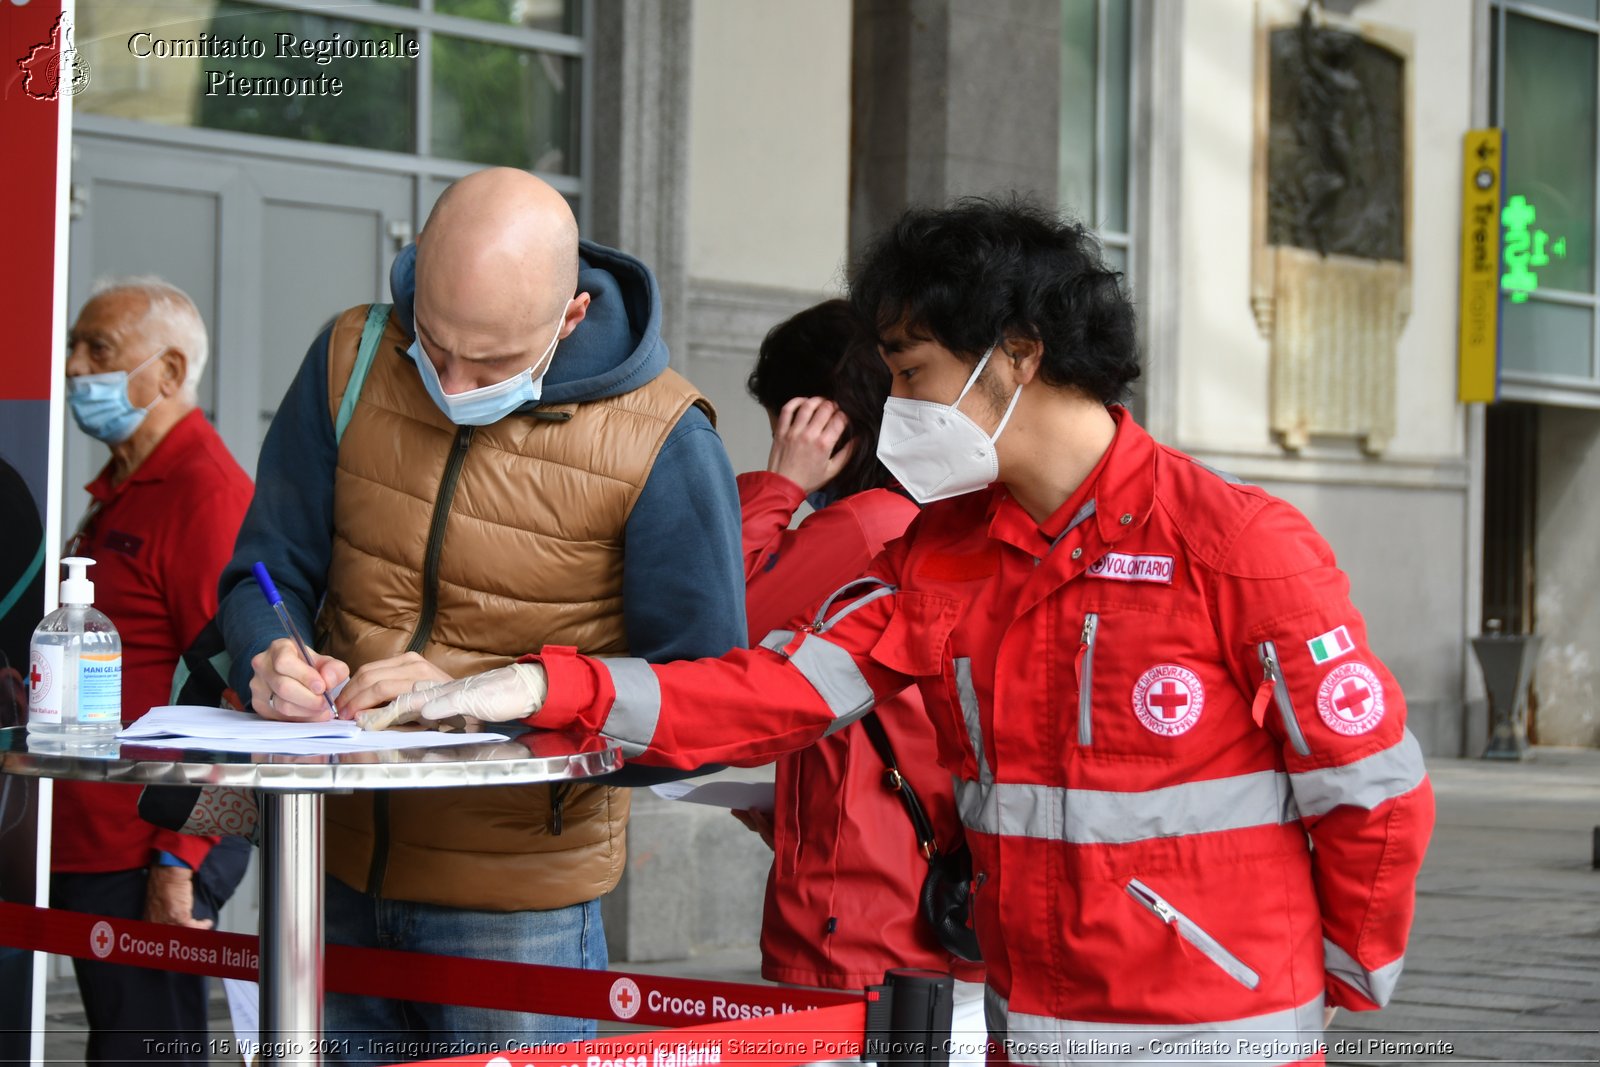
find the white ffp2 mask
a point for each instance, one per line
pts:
(935, 450)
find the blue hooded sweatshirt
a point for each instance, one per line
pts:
(683, 577)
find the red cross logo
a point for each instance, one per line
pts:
(1350, 699)
(35, 679)
(625, 998)
(101, 938)
(1168, 699)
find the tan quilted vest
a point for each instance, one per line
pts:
(530, 554)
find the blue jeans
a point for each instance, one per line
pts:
(371, 1031)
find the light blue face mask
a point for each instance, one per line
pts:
(100, 404)
(490, 403)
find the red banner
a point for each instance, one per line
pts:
(645, 1000)
(35, 75)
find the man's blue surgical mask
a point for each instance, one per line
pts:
(489, 403)
(100, 404)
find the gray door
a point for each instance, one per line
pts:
(269, 248)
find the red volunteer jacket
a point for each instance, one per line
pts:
(159, 541)
(842, 896)
(1193, 804)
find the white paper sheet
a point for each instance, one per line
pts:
(179, 720)
(244, 1000)
(739, 796)
(224, 730)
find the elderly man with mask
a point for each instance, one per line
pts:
(519, 467)
(160, 527)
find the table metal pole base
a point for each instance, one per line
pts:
(291, 928)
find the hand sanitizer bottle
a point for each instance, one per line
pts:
(75, 666)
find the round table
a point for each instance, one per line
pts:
(290, 791)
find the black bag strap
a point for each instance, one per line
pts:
(896, 781)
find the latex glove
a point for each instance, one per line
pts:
(381, 681)
(501, 695)
(402, 710)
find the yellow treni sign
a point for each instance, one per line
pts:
(1479, 342)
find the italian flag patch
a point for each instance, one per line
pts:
(1331, 645)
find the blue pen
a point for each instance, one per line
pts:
(275, 598)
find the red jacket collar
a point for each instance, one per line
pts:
(1123, 493)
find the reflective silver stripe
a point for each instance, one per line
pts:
(1099, 817)
(1280, 695)
(631, 722)
(883, 589)
(834, 675)
(1280, 1037)
(1377, 986)
(969, 714)
(1230, 478)
(1077, 520)
(1366, 783)
(994, 1013)
(776, 640)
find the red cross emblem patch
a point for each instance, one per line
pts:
(625, 998)
(1350, 699)
(1168, 699)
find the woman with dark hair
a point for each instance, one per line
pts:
(843, 895)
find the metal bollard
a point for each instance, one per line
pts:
(911, 1026)
(1507, 661)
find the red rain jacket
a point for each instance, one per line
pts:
(842, 896)
(1186, 780)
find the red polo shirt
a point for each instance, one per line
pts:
(159, 541)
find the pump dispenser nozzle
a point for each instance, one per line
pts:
(76, 588)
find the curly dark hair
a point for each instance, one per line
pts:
(823, 351)
(970, 274)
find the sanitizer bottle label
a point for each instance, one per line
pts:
(45, 684)
(100, 687)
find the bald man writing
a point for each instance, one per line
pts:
(519, 468)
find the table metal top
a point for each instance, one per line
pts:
(529, 756)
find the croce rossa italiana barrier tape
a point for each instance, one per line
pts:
(713, 1022)
(647, 1000)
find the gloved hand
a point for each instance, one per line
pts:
(505, 693)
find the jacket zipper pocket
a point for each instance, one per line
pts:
(1085, 665)
(1186, 928)
(1280, 695)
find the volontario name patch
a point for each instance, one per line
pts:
(1124, 567)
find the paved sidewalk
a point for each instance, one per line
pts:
(1504, 963)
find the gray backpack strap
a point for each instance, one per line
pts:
(371, 334)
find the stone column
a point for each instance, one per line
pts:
(639, 187)
(951, 98)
